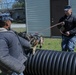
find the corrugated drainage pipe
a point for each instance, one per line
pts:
(47, 62)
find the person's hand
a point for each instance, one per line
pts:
(67, 33)
(63, 23)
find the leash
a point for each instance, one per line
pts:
(62, 32)
(50, 27)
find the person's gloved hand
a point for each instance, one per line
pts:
(63, 23)
(67, 33)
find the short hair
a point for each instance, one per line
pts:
(2, 23)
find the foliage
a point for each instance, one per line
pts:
(19, 4)
(20, 1)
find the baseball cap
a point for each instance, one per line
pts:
(66, 8)
(5, 17)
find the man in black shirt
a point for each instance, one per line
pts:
(69, 32)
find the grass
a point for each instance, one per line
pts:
(19, 29)
(52, 44)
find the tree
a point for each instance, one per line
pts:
(20, 1)
(19, 4)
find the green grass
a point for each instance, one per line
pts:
(19, 29)
(52, 44)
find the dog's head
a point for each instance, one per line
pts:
(34, 39)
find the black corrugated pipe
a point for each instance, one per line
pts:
(46, 62)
